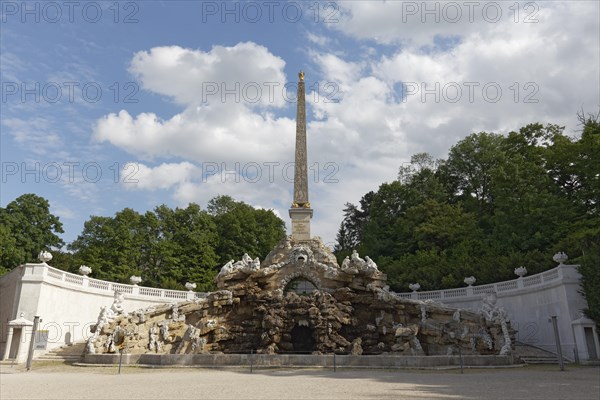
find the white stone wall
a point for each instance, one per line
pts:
(9, 285)
(530, 302)
(69, 304)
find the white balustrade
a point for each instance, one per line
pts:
(69, 279)
(522, 283)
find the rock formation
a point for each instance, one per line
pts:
(300, 300)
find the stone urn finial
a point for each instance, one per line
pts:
(190, 286)
(470, 280)
(521, 271)
(414, 286)
(44, 256)
(135, 280)
(560, 257)
(85, 270)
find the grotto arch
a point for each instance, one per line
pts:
(300, 285)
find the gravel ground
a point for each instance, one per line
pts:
(58, 381)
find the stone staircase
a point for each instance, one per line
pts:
(65, 354)
(543, 360)
(534, 355)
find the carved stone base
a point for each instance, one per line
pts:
(301, 223)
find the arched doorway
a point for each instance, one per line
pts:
(302, 339)
(301, 286)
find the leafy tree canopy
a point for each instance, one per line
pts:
(169, 247)
(497, 202)
(26, 228)
(166, 246)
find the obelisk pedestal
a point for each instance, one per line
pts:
(301, 212)
(301, 223)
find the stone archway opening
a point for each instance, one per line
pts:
(301, 286)
(303, 340)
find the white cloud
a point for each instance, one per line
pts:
(417, 23)
(275, 211)
(37, 134)
(164, 176)
(81, 187)
(219, 129)
(220, 132)
(540, 58)
(318, 39)
(12, 66)
(190, 76)
(337, 70)
(63, 212)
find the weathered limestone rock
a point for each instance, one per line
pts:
(300, 300)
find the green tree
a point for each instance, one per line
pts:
(469, 171)
(169, 247)
(111, 246)
(243, 229)
(350, 234)
(26, 228)
(185, 245)
(383, 232)
(440, 245)
(497, 202)
(574, 164)
(387, 232)
(529, 212)
(9, 253)
(166, 247)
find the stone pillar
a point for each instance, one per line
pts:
(470, 291)
(301, 211)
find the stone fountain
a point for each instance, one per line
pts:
(300, 300)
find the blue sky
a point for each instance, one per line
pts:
(386, 79)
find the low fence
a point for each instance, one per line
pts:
(448, 295)
(86, 283)
(532, 282)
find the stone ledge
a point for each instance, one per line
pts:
(295, 360)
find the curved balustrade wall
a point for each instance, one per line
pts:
(69, 304)
(468, 294)
(530, 303)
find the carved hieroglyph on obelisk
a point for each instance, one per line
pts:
(301, 212)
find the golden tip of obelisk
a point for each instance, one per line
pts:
(301, 76)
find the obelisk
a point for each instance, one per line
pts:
(301, 212)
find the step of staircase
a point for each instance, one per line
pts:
(71, 353)
(530, 354)
(57, 357)
(542, 360)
